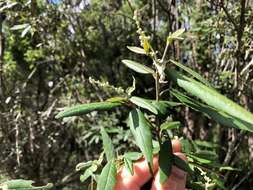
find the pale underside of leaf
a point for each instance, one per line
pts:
(137, 67)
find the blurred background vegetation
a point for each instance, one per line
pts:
(52, 52)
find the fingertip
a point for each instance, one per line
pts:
(176, 145)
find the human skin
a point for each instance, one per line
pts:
(176, 181)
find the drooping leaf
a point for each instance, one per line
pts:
(86, 108)
(165, 161)
(231, 113)
(181, 164)
(191, 72)
(170, 125)
(137, 67)
(21, 184)
(136, 49)
(144, 103)
(107, 145)
(140, 128)
(107, 178)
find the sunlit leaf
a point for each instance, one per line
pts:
(19, 26)
(107, 178)
(107, 145)
(175, 36)
(86, 108)
(165, 161)
(191, 72)
(140, 128)
(222, 109)
(137, 67)
(20, 184)
(144, 103)
(136, 49)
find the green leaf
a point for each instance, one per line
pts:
(200, 159)
(133, 155)
(165, 161)
(235, 114)
(181, 164)
(175, 36)
(220, 117)
(131, 89)
(20, 184)
(137, 67)
(144, 103)
(19, 26)
(116, 99)
(140, 128)
(136, 49)
(88, 172)
(83, 165)
(129, 165)
(170, 125)
(191, 72)
(229, 168)
(163, 106)
(86, 108)
(107, 145)
(107, 178)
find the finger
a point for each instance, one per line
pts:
(126, 181)
(176, 181)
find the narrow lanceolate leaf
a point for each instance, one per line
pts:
(20, 184)
(181, 164)
(191, 72)
(170, 125)
(165, 161)
(136, 49)
(220, 117)
(140, 128)
(175, 36)
(128, 165)
(214, 99)
(137, 67)
(107, 178)
(144, 103)
(86, 108)
(107, 145)
(163, 106)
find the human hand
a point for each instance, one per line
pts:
(176, 181)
